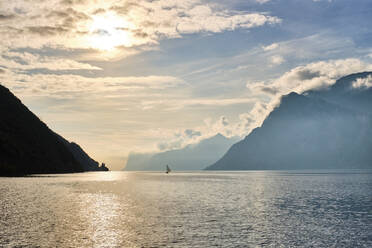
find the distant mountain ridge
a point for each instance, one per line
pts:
(324, 129)
(28, 146)
(191, 157)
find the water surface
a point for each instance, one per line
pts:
(198, 209)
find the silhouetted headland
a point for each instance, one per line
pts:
(28, 146)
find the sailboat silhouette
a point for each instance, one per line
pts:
(167, 169)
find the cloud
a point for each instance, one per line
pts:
(262, 87)
(69, 23)
(262, 1)
(319, 75)
(363, 83)
(306, 74)
(240, 128)
(191, 133)
(270, 47)
(252, 119)
(209, 128)
(276, 60)
(167, 146)
(99, 11)
(6, 17)
(180, 139)
(72, 86)
(28, 61)
(315, 75)
(47, 30)
(73, 2)
(176, 104)
(222, 126)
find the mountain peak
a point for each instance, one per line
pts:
(293, 96)
(218, 136)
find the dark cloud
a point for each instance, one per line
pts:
(140, 34)
(47, 30)
(65, 21)
(77, 15)
(59, 14)
(224, 121)
(73, 2)
(69, 17)
(14, 30)
(137, 32)
(99, 11)
(191, 133)
(149, 24)
(101, 32)
(20, 11)
(307, 74)
(269, 90)
(124, 8)
(6, 17)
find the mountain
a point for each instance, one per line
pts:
(191, 157)
(325, 129)
(28, 146)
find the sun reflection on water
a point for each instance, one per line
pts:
(102, 214)
(251, 209)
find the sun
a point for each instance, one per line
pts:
(108, 32)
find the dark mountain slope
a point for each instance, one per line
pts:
(27, 145)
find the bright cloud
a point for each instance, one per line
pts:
(180, 139)
(363, 83)
(270, 47)
(176, 104)
(276, 60)
(27, 61)
(112, 23)
(311, 76)
(69, 85)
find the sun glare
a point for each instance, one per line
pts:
(108, 32)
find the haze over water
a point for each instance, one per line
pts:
(198, 209)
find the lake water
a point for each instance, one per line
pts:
(198, 209)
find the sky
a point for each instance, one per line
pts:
(122, 76)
